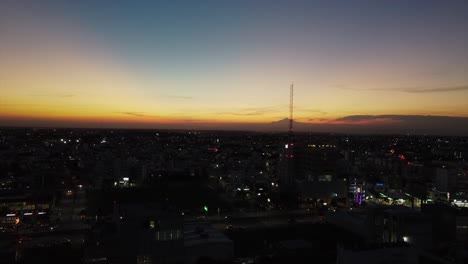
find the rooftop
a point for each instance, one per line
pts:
(202, 233)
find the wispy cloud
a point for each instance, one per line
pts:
(366, 117)
(438, 89)
(410, 118)
(416, 90)
(250, 111)
(338, 85)
(191, 120)
(317, 119)
(178, 97)
(362, 120)
(278, 109)
(309, 110)
(58, 95)
(138, 114)
(244, 114)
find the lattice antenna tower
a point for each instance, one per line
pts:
(291, 107)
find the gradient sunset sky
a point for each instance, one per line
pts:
(134, 63)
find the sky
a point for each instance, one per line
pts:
(218, 63)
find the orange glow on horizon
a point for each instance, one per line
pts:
(60, 72)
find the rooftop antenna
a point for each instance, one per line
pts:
(291, 102)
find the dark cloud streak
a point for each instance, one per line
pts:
(441, 89)
(138, 114)
(251, 111)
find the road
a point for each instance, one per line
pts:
(268, 219)
(255, 215)
(53, 239)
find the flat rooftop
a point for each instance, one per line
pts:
(202, 233)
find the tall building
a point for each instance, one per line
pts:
(317, 172)
(286, 172)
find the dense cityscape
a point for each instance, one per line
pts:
(149, 196)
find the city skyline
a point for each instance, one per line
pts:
(223, 64)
